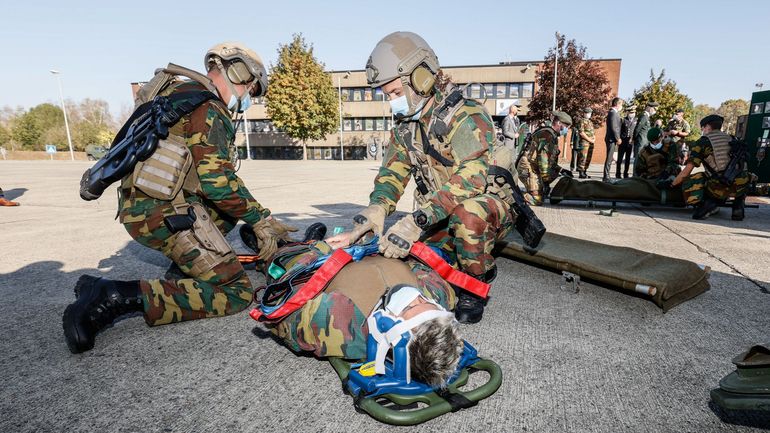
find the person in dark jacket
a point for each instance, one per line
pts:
(612, 136)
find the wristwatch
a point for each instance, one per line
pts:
(420, 218)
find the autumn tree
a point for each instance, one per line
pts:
(730, 110)
(301, 99)
(580, 83)
(665, 92)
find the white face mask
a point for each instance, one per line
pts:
(657, 146)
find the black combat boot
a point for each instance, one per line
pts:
(707, 208)
(99, 302)
(738, 208)
(470, 307)
(582, 175)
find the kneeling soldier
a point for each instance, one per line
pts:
(707, 190)
(444, 141)
(189, 177)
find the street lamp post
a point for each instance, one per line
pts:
(555, 71)
(64, 110)
(339, 95)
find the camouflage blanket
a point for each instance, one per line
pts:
(666, 281)
(634, 189)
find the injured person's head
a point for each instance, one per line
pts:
(433, 345)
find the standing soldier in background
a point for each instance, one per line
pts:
(585, 130)
(642, 127)
(444, 141)
(706, 190)
(189, 177)
(539, 163)
(677, 130)
(4, 201)
(611, 135)
(627, 126)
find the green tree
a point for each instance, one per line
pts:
(92, 123)
(698, 112)
(301, 99)
(730, 110)
(580, 83)
(5, 136)
(664, 91)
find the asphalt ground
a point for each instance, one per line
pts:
(596, 361)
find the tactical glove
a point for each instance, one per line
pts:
(565, 172)
(399, 239)
(371, 218)
(269, 231)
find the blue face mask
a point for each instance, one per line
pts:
(399, 106)
(563, 131)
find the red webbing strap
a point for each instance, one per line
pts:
(447, 272)
(315, 285)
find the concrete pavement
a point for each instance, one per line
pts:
(596, 361)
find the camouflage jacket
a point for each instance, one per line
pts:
(543, 153)
(677, 125)
(453, 171)
(331, 324)
(208, 133)
(586, 127)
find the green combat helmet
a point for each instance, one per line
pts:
(405, 56)
(240, 65)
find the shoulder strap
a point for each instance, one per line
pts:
(309, 290)
(428, 148)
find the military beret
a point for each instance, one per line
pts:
(712, 118)
(653, 104)
(680, 110)
(631, 108)
(588, 110)
(562, 117)
(654, 133)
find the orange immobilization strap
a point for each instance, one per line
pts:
(315, 285)
(460, 279)
(245, 258)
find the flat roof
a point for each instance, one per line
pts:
(493, 65)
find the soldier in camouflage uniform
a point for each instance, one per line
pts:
(444, 141)
(656, 160)
(334, 323)
(539, 165)
(206, 279)
(704, 190)
(676, 131)
(585, 130)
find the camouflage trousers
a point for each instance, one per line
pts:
(532, 183)
(332, 325)
(698, 185)
(220, 291)
(471, 232)
(584, 157)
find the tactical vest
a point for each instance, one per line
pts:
(432, 166)
(655, 161)
(720, 143)
(170, 168)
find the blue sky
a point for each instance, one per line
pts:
(714, 50)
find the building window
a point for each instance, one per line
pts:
(357, 125)
(345, 94)
(368, 124)
(358, 95)
(514, 90)
(378, 95)
(474, 91)
(347, 125)
(501, 91)
(526, 90)
(368, 94)
(379, 124)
